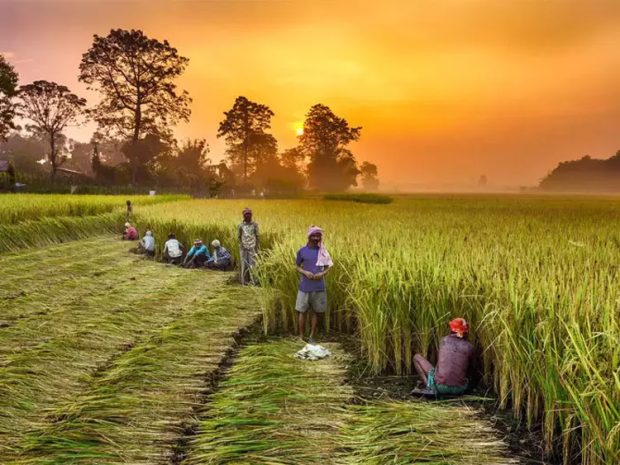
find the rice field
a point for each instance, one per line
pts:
(274, 409)
(537, 277)
(101, 360)
(103, 355)
(16, 208)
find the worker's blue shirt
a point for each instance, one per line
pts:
(202, 250)
(306, 259)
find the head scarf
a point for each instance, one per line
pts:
(127, 225)
(215, 243)
(149, 233)
(459, 326)
(323, 259)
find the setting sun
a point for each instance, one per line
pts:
(299, 131)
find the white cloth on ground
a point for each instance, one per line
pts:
(313, 352)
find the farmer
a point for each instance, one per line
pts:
(131, 233)
(198, 255)
(313, 263)
(248, 243)
(221, 259)
(173, 250)
(147, 244)
(129, 212)
(455, 354)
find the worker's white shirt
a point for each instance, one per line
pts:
(174, 248)
(149, 243)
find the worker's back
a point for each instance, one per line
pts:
(454, 356)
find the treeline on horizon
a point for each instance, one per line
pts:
(585, 175)
(134, 144)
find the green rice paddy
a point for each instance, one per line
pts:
(107, 358)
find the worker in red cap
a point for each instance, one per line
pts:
(449, 376)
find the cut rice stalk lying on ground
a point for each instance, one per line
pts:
(54, 309)
(417, 432)
(49, 358)
(136, 410)
(275, 409)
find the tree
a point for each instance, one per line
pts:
(244, 129)
(141, 154)
(51, 107)
(369, 172)
(135, 75)
(324, 140)
(188, 167)
(8, 90)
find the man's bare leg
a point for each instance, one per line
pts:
(301, 323)
(422, 367)
(313, 323)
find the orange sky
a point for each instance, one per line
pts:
(445, 90)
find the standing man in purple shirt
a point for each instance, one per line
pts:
(313, 263)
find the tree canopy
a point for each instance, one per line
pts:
(8, 90)
(585, 175)
(51, 107)
(332, 166)
(135, 76)
(244, 130)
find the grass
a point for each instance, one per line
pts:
(360, 198)
(536, 276)
(412, 433)
(104, 361)
(275, 409)
(16, 208)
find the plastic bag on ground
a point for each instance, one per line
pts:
(313, 352)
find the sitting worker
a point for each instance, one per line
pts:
(147, 245)
(455, 354)
(173, 250)
(131, 233)
(221, 259)
(197, 256)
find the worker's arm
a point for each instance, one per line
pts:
(299, 262)
(322, 273)
(190, 255)
(307, 274)
(257, 236)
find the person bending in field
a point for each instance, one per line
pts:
(220, 259)
(173, 250)
(197, 256)
(131, 233)
(248, 245)
(147, 245)
(313, 263)
(455, 354)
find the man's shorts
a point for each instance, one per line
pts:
(315, 301)
(443, 388)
